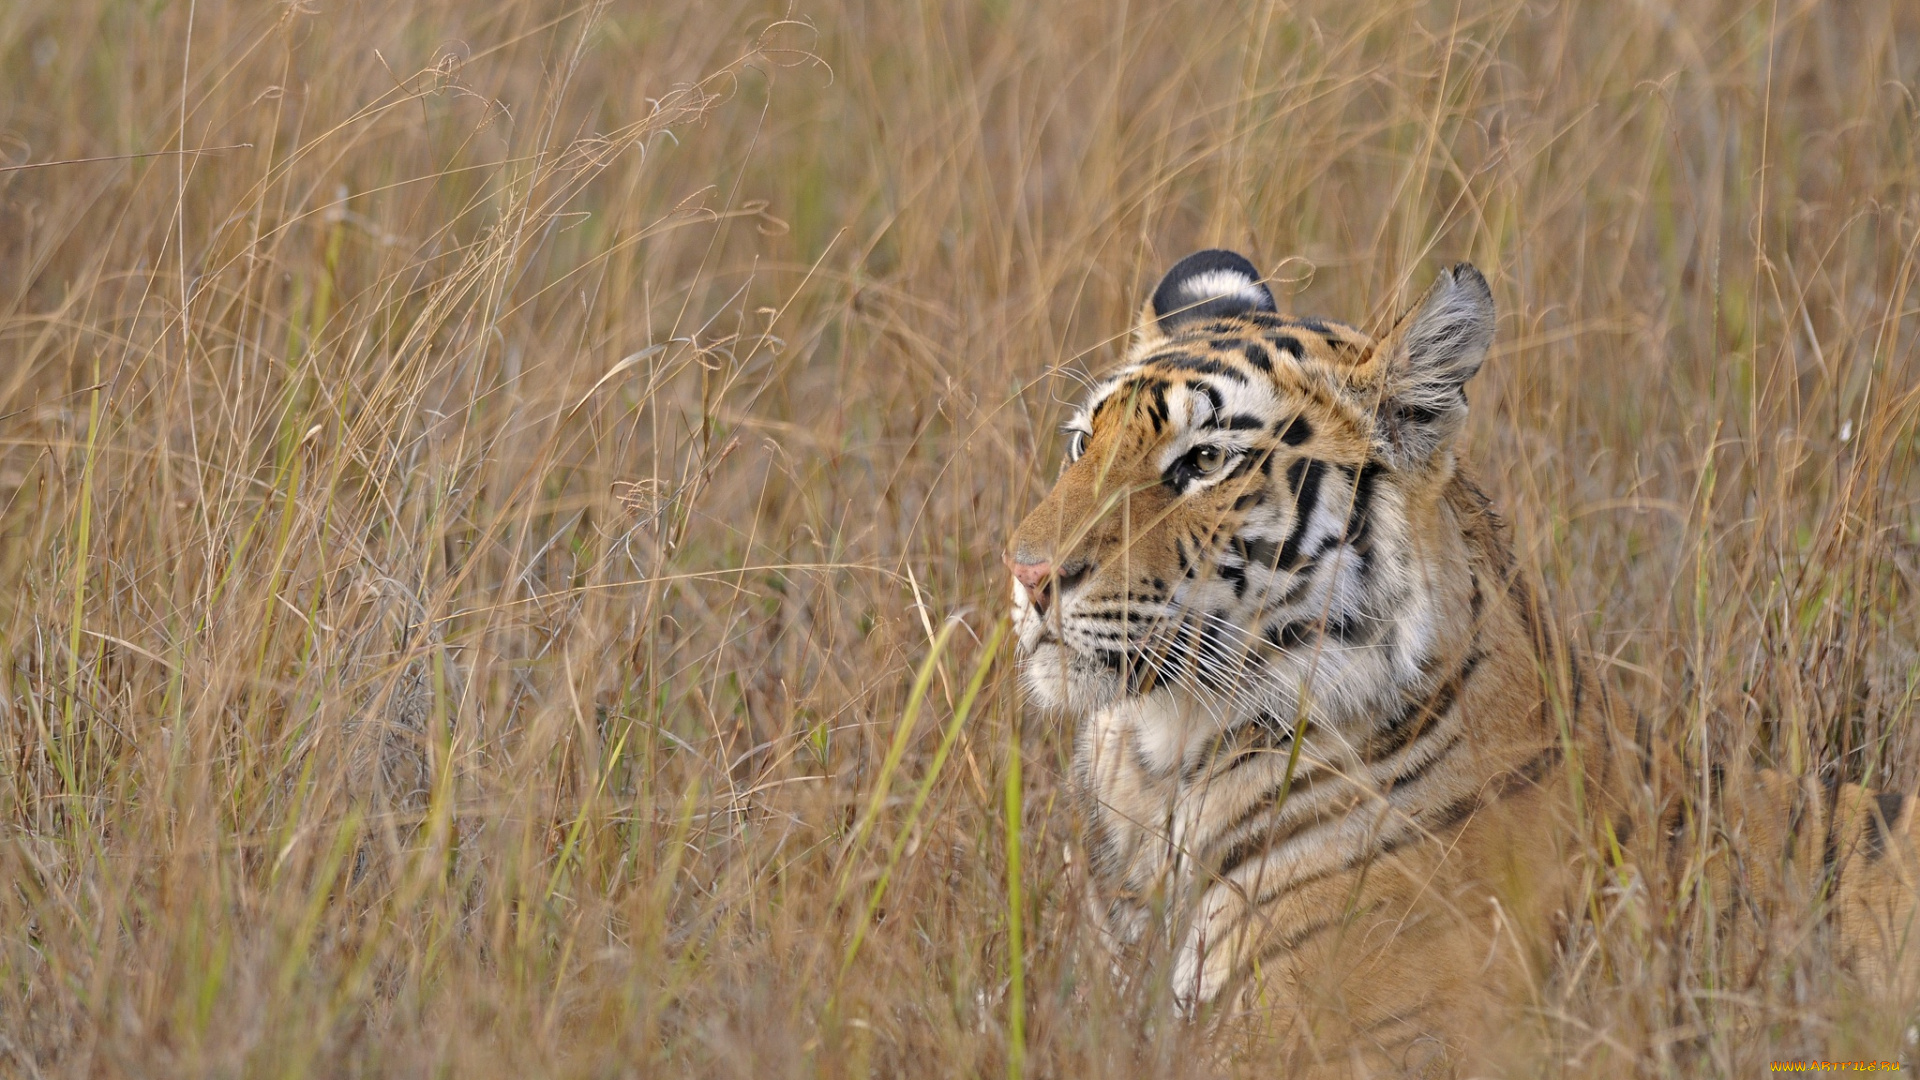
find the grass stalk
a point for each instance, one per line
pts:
(1016, 932)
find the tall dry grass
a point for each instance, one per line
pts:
(475, 546)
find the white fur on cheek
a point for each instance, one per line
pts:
(1028, 625)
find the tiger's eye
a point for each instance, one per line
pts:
(1076, 445)
(1208, 459)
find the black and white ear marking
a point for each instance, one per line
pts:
(1206, 284)
(1428, 357)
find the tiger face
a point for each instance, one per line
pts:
(1217, 532)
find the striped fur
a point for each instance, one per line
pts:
(1328, 739)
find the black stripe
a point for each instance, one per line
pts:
(1354, 629)
(1267, 737)
(1256, 552)
(1233, 575)
(1236, 422)
(1293, 941)
(1257, 356)
(1245, 755)
(1416, 716)
(1303, 476)
(1450, 815)
(1303, 784)
(1177, 653)
(1297, 592)
(1528, 774)
(1288, 345)
(1139, 756)
(1415, 414)
(1256, 459)
(1214, 658)
(1360, 520)
(1141, 388)
(1408, 779)
(1199, 365)
(1297, 432)
(1270, 835)
(1291, 635)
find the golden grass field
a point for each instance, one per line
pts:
(500, 561)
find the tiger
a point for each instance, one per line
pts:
(1329, 741)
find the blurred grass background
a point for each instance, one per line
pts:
(469, 543)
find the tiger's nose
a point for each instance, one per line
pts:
(1031, 574)
(1037, 578)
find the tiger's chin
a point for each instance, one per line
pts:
(1058, 678)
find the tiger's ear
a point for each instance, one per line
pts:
(1204, 285)
(1425, 362)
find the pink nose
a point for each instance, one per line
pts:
(1031, 574)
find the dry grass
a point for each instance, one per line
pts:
(468, 549)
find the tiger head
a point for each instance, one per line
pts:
(1245, 505)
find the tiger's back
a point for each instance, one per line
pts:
(1329, 742)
